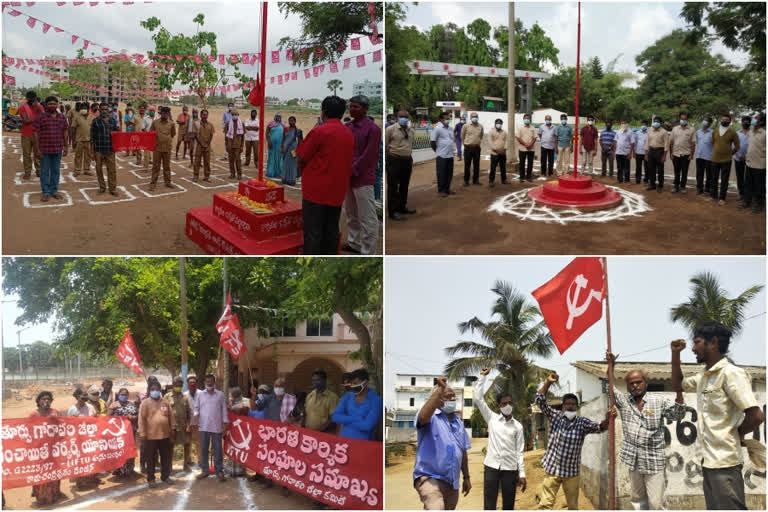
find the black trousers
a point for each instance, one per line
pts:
(492, 479)
(740, 166)
(754, 187)
(724, 488)
(622, 168)
(606, 154)
(165, 449)
(681, 164)
(472, 158)
(321, 228)
(525, 171)
(398, 177)
(655, 167)
(444, 168)
(501, 161)
(703, 174)
(721, 172)
(547, 161)
(639, 164)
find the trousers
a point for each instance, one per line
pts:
(681, 164)
(362, 221)
(655, 167)
(321, 228)
(547, 161)
(526, 171)
(501, 162)
(472, 160)
(724, 488)
(444, 170)
(165, 449)
(252, 147)
(163, 157)
(398, 178)
(740, 166)
(721, 173)
(108, 160)
(206, 439)
(754, 187)
(639, 164)
(492, 480)
(606, 155)
(436, 494)
(647, 490)
(203, 155)
(551, 485)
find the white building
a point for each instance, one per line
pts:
(367, 88)
(412, 390)
(57, 69)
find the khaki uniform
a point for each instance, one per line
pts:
(472, 135)
(683, 141)
(107, 159)
(319, 407)
(235, 145)
(657, 138)
(147, 154)
(81, 127)
(182, 414)
(137, 122)
(165, 131)
(182, 128)
(28, 152)
(204, 139)
(193, 126)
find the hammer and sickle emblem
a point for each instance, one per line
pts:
(575, 310)
(134, 142)
(121, 428)
(246, 440)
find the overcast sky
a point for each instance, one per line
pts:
(117, 26)
(607, 28)
(425, 298)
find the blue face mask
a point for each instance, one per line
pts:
(403, 121)
(683, 122)
(548, 122)
(122, 398)
(657, 125)
(154, 394)
(753, 122)
(644, 128)
(474, 120)
(526, 121)
(704, 124)
(563, 122)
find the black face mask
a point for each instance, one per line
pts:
(608, 126)
(724, 124)
(347, 388)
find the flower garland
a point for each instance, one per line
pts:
(265, 182)
(253, 206)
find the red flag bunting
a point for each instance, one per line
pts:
(316, 71)
(295, 75)
(31, 22)
(85, 44)
(306, 73)
(334, 67)
(74, 39)
(319, 51)
(57, 29)
(289, 55)
(275, 57)
(360, 61)
(280, 79)
(232, 337)
(347, 62)
(377, 56)
(356, 43)
(222, 59)
(46, 28)
(128, 355)
(271, 79)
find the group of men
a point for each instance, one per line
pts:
(727, 412)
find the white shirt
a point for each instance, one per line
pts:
(444, 138)
(505, 438)
(252, 135)
(148, 122)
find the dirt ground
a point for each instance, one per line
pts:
(676, 224)
(400, 494)
(132, 493)
(137, 221)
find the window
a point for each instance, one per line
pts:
(412, 402)
(469, 381)
(413, 381)
(467, 402)
(434, 381)
(319, 327)
(288, 329)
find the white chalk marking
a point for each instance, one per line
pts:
(247, 496)
(203, 184)
(107, 496)
(126, 196)
(52, 203)
(181, 501)
(144, 174)
(75, 179)
(177, 189)
(34, 179)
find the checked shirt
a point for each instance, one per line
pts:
(643, 447)
(51, 129)
(101, 135)
(563, 457)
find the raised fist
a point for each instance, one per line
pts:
(442, 382)
(553, 377)
(678, 345)
(485, 371)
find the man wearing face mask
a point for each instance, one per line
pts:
(725, 143)
(457, 134)
(156, 425)
(320, 404)
(148, 120)
(704, 157)
(166, 131)
(441, 455)
(607, 147)
(754, 182)
(739, 158)
(472, 138)
(562, 461)
(638, 152)
(29, 111)
(182, 414)
(102, 151)
(211, 411)
(194, 421)
(281, 404)
(656, 148)
(526, 137)
(588, 145)
(235, 133)
(182, 121)
(498, 153)
(193, 126)
(682, 145)
(51, 141)
(643, 418)
(503, 464)
(546, 133)
(398, 143)
(225, 119)
(359, 410)
(203, 150)
(258, 401)
(564, 138)
(252, 139)
(83, 407)
(81, 127)
(441, 141)
(622, 150)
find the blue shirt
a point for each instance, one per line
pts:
(457, 129)
(564, 135)
(623, 142)
(639, 139)
(704, 144)
(358, 420)
(606, 138)
(547, 136)
(256, 414)
(741, 154)
(225, 120)
(441, 446)
(444, 139)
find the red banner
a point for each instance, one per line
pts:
(338, 471)
(232, 337)
(127, 354)
(38, 450)
(123, 141)
(225, 316)
(572, 300)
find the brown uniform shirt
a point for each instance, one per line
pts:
(657, 138)
(183, 127)
(396, 142)
(237, 140)
(82, 127)
(682, 140)
(205, 134)
(527, 134)
(498, 142)
(166, 131)
(156, 419)
(472, 135)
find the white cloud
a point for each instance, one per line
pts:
(648, 23)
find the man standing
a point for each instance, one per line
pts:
(441, 142)
(166, 131)
(81, 127)
(754, 188)
(156, 422)
(29, 111)
(138, 126)
(359, 410)
(588, 145)
(503, 464)
(194, 422)
(442, 451)
(398, 141)
(564, 138)
(360, 203)
(69, 112)
(203, 140)
(102, 151)
(562, 460)
(682, 144)
(457, 134)
(547, 133)
(642, 450)
(252, 139)
(656, 148)
(727, 410)
(640, 138)
(106, 392)
(235, 134)
(390, 121)
(526, 137)
(149, 119)
(498, 153)
(725, 143)
(182, 121)
(739, 158)
(472, 138)
(225, 119)
(193, 126)
(704, 157)
(211, 411)
(622, 149)
(182, 414)
(607, 146)
(325, 161)
(320, 404)
(50, 129)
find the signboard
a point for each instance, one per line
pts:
(422, 67)
(457, 104)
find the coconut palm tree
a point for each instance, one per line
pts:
(708, 303)
(514, 336)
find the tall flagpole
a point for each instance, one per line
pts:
(578, 67)
(262, 127)
(611, 402)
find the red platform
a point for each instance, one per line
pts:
(575, 191)
(261, 193)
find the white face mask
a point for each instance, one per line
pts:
(449, 407)
(506, 410)
(589, 123)
(569, 414)
(279, 391)
(498, 126)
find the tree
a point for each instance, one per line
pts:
(335, 84)
(709, 303)
(514, 336)
(595, 67)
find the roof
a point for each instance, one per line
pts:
(493, 98)
(654, 370)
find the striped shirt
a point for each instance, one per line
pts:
(606, 138)
(101, 135)
(51, 130)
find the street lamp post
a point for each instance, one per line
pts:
(18, 339)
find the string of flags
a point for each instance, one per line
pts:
(76, 4)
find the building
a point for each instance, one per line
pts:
(57, 69)
(367, 88)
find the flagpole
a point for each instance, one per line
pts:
(262, 127)
(578, 67)
(611, 401)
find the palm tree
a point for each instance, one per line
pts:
(515, 334)
(335, 84)
(708, 303)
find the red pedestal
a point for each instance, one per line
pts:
(256, 191)
(285, 219)
(575, 192)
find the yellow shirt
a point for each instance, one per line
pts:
(756, 149)
(683, 140)
(723, 393)
(498, 141)
(657, 138)
(319, 407)
(396, 142)
(472, 134)
(527, 134)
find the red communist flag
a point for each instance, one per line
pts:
(572, 300)
(225, 316)
(128, 355)
(254, 97)
(232, 337)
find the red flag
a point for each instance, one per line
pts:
(280, 79)
(289, 55)
(306, 73)
(275, 57)
(254, 97)
(31, 22)
(319, 51)
(572, 300)
(128, 355)
(232, 337)
(346, 62)
(334, 67)
(295, 75)
(360, 61)
(355, 43)
(226, 315)
(377, 56)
